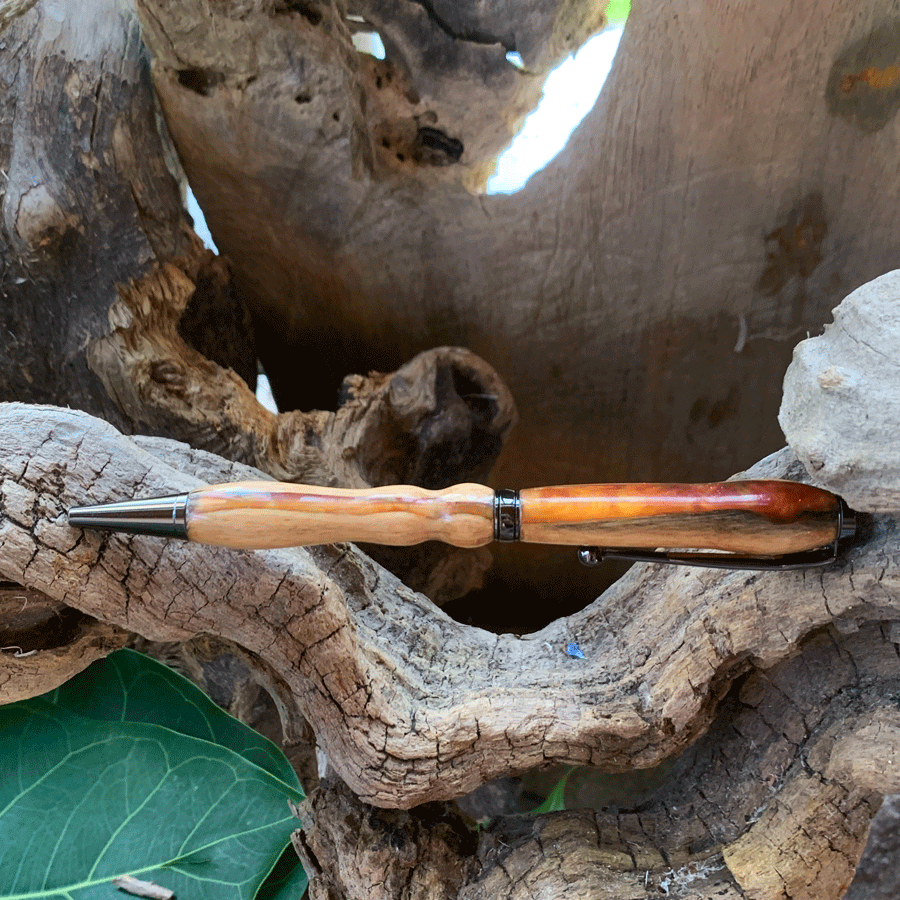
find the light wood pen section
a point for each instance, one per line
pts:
(763, 518)
(256, 515)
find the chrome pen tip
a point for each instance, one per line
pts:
(160, 516)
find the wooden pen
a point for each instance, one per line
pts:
(741, 524)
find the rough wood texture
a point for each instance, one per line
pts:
(427, 710)
(43, 642)
(88, 202)
(878, 876)
(692, 225)
(754, 810)
(841, 406)
(121, 349)
(687, 226)
(10, 9)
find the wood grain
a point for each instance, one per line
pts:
(411, 706)
(754, 517)
(265, 514)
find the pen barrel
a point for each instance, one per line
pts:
(257, 515)
(760, 518)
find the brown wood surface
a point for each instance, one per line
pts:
(755, 517)
(265, 514)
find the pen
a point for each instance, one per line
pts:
(736, 524)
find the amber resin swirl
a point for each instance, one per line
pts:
(763, 518)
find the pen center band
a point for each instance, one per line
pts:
(507, 515)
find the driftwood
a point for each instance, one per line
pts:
(410, 715)
(159, 342)
(44, 642)
(603, 293)
(850, 375)
(764, 805)
(693, 225)
(777, 689)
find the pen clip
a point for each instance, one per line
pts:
(805, 559)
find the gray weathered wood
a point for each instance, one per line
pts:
(841, 406)
(723, 823)
(410, 706)
(384, 677)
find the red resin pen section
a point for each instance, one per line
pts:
(762, 518)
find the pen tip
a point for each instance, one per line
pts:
(163, 516)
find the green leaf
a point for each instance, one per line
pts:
(556, 799)
(617, 11)
(287, 881)
(130, 687)
(87, 797)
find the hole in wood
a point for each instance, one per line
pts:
(307, 10)
(200, 81)
(435, 147)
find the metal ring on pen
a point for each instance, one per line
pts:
(507, 515)
(179, 517)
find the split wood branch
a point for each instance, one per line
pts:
(43, 642)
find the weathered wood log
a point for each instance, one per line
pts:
(409, 705)
(642, 294)
(763, 806)
(43, 642)
(877, 876)
(661, 646)
(122, 350)
(403, 723)
(11, 9)
(88, 203)
(772, 798)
